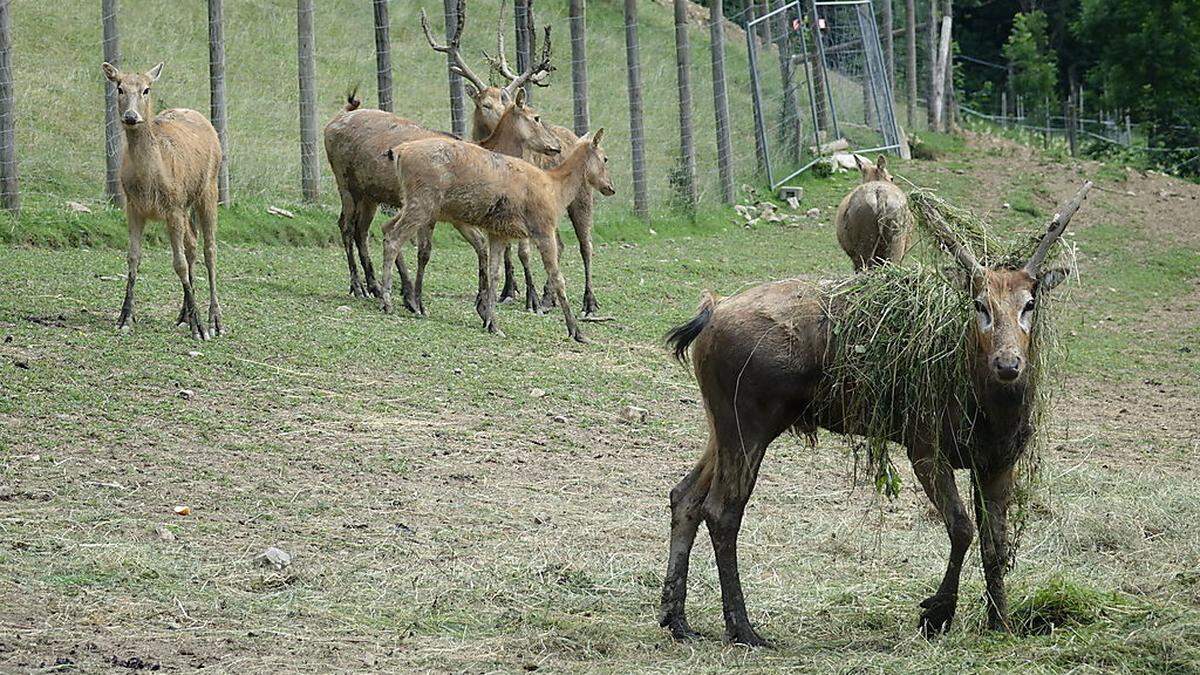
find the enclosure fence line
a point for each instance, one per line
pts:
(306, 54)
(112, 125)
(216, 79)
(10, 195)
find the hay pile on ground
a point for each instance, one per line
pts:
(900, 344)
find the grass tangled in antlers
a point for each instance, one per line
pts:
(901, 356)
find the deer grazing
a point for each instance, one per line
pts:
(506, 197)
(169, 173)
(873, 222)
(356, 143)
(762, 356)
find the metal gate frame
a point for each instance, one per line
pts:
(882, 96)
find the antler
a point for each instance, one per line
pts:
(534, 72)
(1054, 230)
(459, 66)
(932, 216)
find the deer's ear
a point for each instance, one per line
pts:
(1051, 278)
(597, 136)
(520, 102)
(111, 72)
(154, 72)
(881, 163)
(390, 154)
(472, 91)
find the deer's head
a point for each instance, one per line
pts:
(133, 92)
(525, 124)
(873, 172)
(1006, 300)
(596, 163)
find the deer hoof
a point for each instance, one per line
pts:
(680, 630)
(581, 338)
(938, 614)
(125, 321)
(215, 327)
(357, 290)
(590, 306)
(745, 635)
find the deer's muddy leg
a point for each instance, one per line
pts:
(396, 233)
(937, 478)
(478, 241)
(509, 292)
(686, 501)
(549, 251)
(531, 294)
(992, 495)
(206, 213)
(580, 212)
(363, 216)
(485, 304)
(732, 483)
(183, 248)
(134, 258)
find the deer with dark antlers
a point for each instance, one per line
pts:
(761, 357)
(356, 142)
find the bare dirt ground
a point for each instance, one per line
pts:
(452, 501)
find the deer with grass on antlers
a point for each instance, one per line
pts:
(169, 173)
(760, 358)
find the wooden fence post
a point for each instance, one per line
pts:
(579, 82)
(932, 25)
(819, 89)
(637, 132)
(524, 41)
(383, 54)
(112, 125)
(10, 194)
(721, 100)
(216, 91)
(306, 55)
(683, 68)
(458, 116)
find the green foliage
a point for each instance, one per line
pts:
(1034, 66)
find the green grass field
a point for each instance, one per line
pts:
(457, 501)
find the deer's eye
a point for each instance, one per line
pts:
(980, 307)
(146, 91)
(537, 118)
(606, 160)
(1029, 305)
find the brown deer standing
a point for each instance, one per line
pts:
(356, 144)
(873, 222)
(579, 210)
(508, 198)
(169, 173)
(760, 359)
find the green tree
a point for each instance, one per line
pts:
(1034, 66)
(1147, 61)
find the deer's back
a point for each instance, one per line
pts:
(870, 218)
(465, 183)
(356, 144)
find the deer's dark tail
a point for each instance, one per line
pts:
(682, 336)
(352, 100)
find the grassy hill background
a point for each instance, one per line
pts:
(60, 100)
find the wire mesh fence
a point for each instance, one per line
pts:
(263, 72)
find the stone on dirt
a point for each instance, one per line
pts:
(633, 414)
(274, 557)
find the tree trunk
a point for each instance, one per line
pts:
(889, 45)
(306, 55)
(910, 49)
(721, 100)
(579, 81)
(521, 17)
(112, 125)
(216, 88)
(818, 70)
(789, 122)
(683, 70)
(637, 132)
(949, 105)
(931, 75)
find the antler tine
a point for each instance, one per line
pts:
(459, 66)
(534, 72)
(499, 63)
(1055, 229)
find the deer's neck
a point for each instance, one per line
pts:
(142, 151)
(1003, 425)
(503, 142)
(569, 177)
